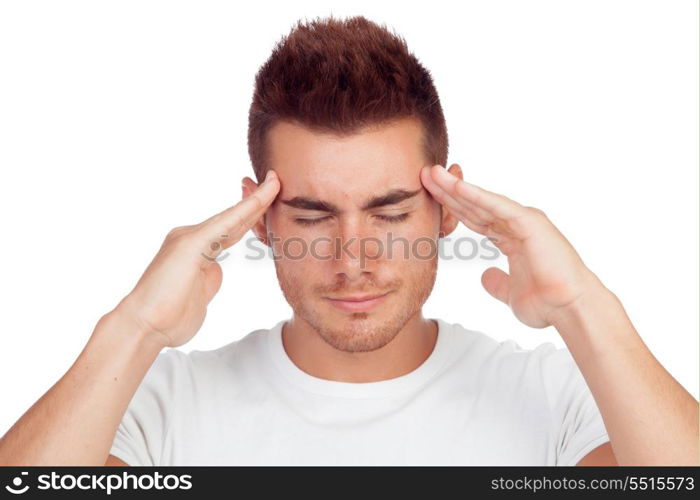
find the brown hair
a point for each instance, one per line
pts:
(339, 76)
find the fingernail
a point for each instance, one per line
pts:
(267, 176)
(442, 171)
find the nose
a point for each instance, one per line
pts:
(357, 249)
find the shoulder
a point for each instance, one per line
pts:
(504, 364)
(177, 363)
(477, 346)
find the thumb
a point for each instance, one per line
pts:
(495, 281)
(213, 278)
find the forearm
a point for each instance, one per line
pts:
(651, 419)
(74, 423)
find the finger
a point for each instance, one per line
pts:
(212, 281)
(483, 217)
(264, 194)
(235, 221)
(460, 209)
(469, 218)
(496, 204)
(496, 282)
(477, 228)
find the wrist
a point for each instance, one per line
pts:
(127, 313)
(589, 301)
(596, 319)
(124, 328)
(117, 351)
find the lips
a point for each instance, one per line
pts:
(358, 303)
(357, 298)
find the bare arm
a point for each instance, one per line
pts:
(75, 422)
(650, 418)
(115, 462)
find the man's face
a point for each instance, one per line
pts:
(342, 203)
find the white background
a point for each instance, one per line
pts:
(121, 120)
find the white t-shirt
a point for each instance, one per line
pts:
(473, 401)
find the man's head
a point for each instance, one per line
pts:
(347, 118)
(339, 76)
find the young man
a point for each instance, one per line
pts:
(347, 129)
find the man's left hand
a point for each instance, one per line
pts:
(546, 275)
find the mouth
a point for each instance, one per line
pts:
(358, 303)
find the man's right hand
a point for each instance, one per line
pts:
(75, 422)
(170, 300)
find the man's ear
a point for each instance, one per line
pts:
(248, 185)
(449, 222)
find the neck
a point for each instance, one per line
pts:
(407, 351)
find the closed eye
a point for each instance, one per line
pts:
(311, 222)
(318, 220)
(393, 218)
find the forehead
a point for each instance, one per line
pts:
(329, 166)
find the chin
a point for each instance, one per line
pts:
(357, 341)
(358, 331)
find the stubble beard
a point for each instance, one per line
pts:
(361, 331)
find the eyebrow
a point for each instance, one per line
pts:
(390, 198)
